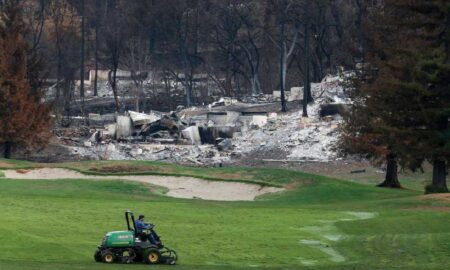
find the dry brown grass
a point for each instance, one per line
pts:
(6, 165)
(438, 208)
(296, 184)
(122, 169)
(445, 197)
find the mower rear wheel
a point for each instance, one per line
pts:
(152, 256)
(108, 257)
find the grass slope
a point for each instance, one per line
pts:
(319, 223)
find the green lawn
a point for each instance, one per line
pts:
(320, 223)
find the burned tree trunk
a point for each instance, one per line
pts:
(439, 181)
(7, 150)
(283, 67)
(97, 9)
(167, 86)
(391, 179)
(113, 82)
(82, 52)
(306, 74)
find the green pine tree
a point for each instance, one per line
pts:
(401, 106)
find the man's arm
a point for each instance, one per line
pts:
(142, 225)
(147, 225)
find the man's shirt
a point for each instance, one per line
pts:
(140, 225)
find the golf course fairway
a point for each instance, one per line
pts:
(317, 223)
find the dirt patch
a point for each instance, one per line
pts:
(122, 169)
(430, 208)
(6, 165)
(439, 198)
(22, 171)
(445, 197)
(296, 184)
(179, 187)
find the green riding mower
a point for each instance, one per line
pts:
(130, 247)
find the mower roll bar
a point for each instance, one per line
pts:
(130, 215)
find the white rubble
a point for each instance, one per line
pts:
(111, 130)
(298, 138)
(198, 154)
(140, 119)
(259, 120)
(303, 139)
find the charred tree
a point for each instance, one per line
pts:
(7, 149)
(391, 179)
(439, 181)
(115, 36)
(306, 74)
(97, 44)
(286, 35)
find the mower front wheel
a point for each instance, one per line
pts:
(98, 255)
(152, 256)
(108, 257)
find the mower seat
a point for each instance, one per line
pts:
(141, 236)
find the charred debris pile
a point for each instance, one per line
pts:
(222, 132)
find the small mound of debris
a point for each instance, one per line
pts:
(122, 169)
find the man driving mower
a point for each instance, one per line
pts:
(145, 231)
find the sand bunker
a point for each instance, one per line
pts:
(179, 187)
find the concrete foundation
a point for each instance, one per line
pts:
(111, 130)
(192, 135)
(296, 93)
(253, 118)
(219, 118)
(124, 127)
